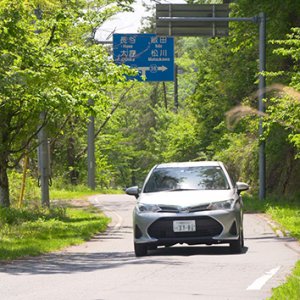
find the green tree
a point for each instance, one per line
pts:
(227, 76)
(283, 117)
(49, 62)
(285, 110)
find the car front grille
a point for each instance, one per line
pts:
(206, 227)
(177, 209)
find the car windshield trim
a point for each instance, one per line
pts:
(180, 189)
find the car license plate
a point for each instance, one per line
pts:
(184, 226)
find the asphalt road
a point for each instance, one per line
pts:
(106, 268)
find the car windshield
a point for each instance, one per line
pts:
(187, 178)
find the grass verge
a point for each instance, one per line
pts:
(287, 215)
(290, 290)
(35, 231)
(78, 192)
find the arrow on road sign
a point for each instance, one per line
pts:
(152, 69)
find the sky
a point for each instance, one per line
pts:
(128, 22)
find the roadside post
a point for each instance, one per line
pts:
(212, 20)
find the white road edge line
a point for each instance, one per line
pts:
(103, 208)
(261, 281)
(120, 219)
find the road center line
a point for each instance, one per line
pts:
(261, 281)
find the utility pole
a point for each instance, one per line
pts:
(43, 162)
(261, 105)
(91, 162)
(43, 148)
(91, 151)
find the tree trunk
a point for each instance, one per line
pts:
(4, 186)
(71, 156)
(289, 170)
(165, 96)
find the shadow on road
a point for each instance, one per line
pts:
(67, 263)
(194, 250)
(272, 237)
(75, 262)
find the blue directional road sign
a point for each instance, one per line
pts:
(152, 55)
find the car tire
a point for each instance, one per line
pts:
(238, 245)
(140, 249)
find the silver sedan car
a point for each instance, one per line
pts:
(188, 202)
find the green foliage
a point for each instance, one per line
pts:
(63, 190)
(227, 76)
(49, 62)
(287, 217)
(32, 192)
(215, 76)
(174, 137)
(59, 67)
(33, 232)
(291, 289)
(238, 151)
(284, 109)
(14, 216)
(286, 212)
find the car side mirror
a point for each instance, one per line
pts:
(241, 186)
(133, 191)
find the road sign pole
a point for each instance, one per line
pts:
(261, 108)
(176, 89)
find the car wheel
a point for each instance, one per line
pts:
(238, 245)
(140, 249)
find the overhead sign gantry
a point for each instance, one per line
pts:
(178, 25)
(203, 20)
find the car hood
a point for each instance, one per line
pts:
(186, 198)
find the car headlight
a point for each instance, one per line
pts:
(144, 208)
(228, 204)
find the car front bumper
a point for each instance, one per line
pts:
(212, 227)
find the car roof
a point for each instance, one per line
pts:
(189, 164)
